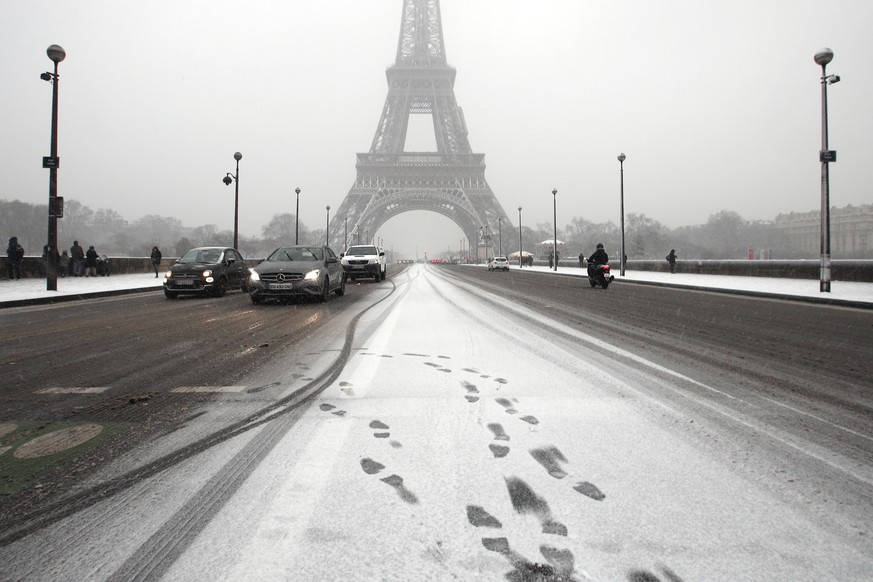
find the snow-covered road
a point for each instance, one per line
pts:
(459, 442)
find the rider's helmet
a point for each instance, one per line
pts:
(599, 245)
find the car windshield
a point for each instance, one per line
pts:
(297, 254)
(362, 250)
(204, 256)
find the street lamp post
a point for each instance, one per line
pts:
(519, 238)
(621, 159)
(346, 234)
(327, 228)
(500, 235)
(555, 219)
(823, 57)
(55, 208)
(297, 218)
(235, 179)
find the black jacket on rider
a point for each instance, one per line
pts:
(598, 258)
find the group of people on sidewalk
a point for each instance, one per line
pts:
(82, 263)
(77, 263)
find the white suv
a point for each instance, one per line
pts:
(364, 261)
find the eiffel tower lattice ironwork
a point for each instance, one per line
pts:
(391, 181)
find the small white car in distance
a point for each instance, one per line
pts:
(498, 264)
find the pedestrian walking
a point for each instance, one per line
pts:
(91, 262)
(671, 258)
(156, 260)
(581, 259)
(14, 255)
(77, 256)
(551, 259)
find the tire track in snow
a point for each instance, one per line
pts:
(65, 507)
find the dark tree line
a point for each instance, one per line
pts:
(111, 234)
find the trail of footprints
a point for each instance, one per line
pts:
(559, 564)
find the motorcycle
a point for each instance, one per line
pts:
(600, 275)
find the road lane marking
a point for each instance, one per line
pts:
(73, 390)
(208, 389)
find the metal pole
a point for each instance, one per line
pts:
(519, 238)
(825, 246)
(51, 272)
(236, 203)
(621, 159)
(555, 219)
(327, 228)
(500, 235)
(297, 219)
(346, 234)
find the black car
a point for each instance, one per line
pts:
(207, 271)
(297, 271)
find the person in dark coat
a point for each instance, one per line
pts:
(14, 256)
(581, 259)
(598, 258)
(156, 260)
(671, 258)
(77, 257)
(91, 262)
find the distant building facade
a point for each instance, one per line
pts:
(851, 231)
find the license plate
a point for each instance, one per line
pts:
(184, 282)
(281, 286)
(357, 266)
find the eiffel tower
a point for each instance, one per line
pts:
(391, 181)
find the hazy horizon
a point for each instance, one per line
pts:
(717, 106)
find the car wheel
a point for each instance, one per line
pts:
(256, 299)
(342, 288)
(325, 290)
(378, 276)
(220, 287)
(245, 286)
(384, 274)
(170, 294)
(593, 282)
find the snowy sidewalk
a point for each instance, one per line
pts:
(33, 291)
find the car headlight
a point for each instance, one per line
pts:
(207, 273)
(253, 275)
(168, 275)
(312, 275)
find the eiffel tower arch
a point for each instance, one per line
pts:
(391, 181)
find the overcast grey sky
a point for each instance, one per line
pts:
(715, 103)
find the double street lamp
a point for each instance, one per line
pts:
(327, 228)
(555, 219)
(500, 235)
(235, 179)
(519, 237)
(55, 207)
(621, 159)
(823, 57)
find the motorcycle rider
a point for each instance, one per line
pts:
(598, 258)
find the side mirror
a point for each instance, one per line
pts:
(381, 253)
(331, 260)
